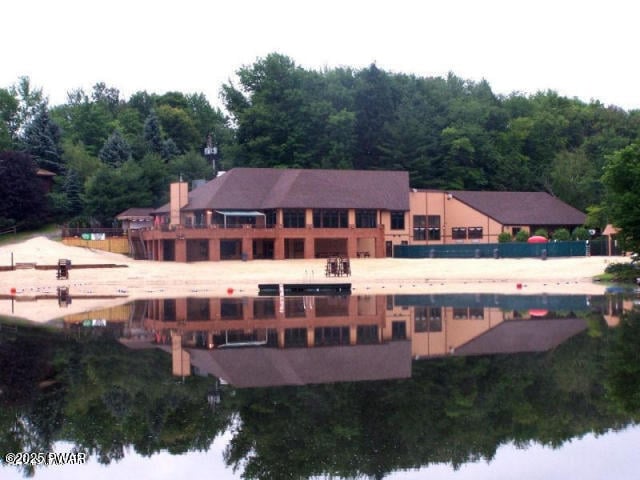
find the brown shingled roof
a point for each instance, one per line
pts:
(519, 336)
(266, 367)
(522, 208)
(135, 213)
(265, 188)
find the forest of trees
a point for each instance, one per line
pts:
(111, 153)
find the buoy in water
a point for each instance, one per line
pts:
(518, 286)
(229, 290)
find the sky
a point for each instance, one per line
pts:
(610, 455)
(585, 49)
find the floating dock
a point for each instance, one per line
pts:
(272, 289)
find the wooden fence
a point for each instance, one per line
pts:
(110, 244)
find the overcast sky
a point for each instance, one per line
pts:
(586, 49)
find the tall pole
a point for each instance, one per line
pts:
(210, 152)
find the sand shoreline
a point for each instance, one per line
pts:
(146, 279)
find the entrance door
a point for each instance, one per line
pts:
(388, 246)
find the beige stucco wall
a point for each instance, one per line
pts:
(453, 213)
(459, 214)
(455, 332)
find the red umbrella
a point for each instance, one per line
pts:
(537, 239)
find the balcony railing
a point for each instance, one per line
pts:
(171, 228)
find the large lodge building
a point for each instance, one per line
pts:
(249, 213)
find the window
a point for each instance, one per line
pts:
(419, 227)
(198, 309)
(264, 308)
(231, 309)
(475, 233)
(397, 220)
(367, 334)
(459, 233)
(293, 218)
(428, 319)
(295, 337)
(270, 218)
(169, 310)
(433, 222)
(366, 219)
(330, 218)
(398, 330)
(294, 307)
(331, 336)
(460, 313)
(334, 306)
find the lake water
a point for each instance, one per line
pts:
(399, 386)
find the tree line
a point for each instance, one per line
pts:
(111, 153)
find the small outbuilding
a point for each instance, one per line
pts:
(135, 219)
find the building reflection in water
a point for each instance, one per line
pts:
(269, 341)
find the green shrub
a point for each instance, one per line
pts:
(580, 233)
(504, 237)
(562, 235)
(522, 236)
(623, 272)
(542, 232)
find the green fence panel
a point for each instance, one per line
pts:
(493, 250)
(504, 301)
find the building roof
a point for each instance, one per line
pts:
(522, 208)
(270, 188)
(266, 367)
(519, 336)
(135, 213)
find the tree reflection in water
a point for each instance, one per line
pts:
(105, 398)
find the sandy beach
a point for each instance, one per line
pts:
(145, 279)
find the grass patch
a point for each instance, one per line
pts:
(621, 273)
(604, 278)
(51, 231)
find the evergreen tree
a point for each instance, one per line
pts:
(115, 150)
(169, 149)
(112, 190)
(41, 139)
(73, 189)
(153, 133)
(23, 200)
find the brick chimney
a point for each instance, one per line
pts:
(179, 198)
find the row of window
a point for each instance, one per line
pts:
(334, 218)
(462, 233)
(425, 227)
